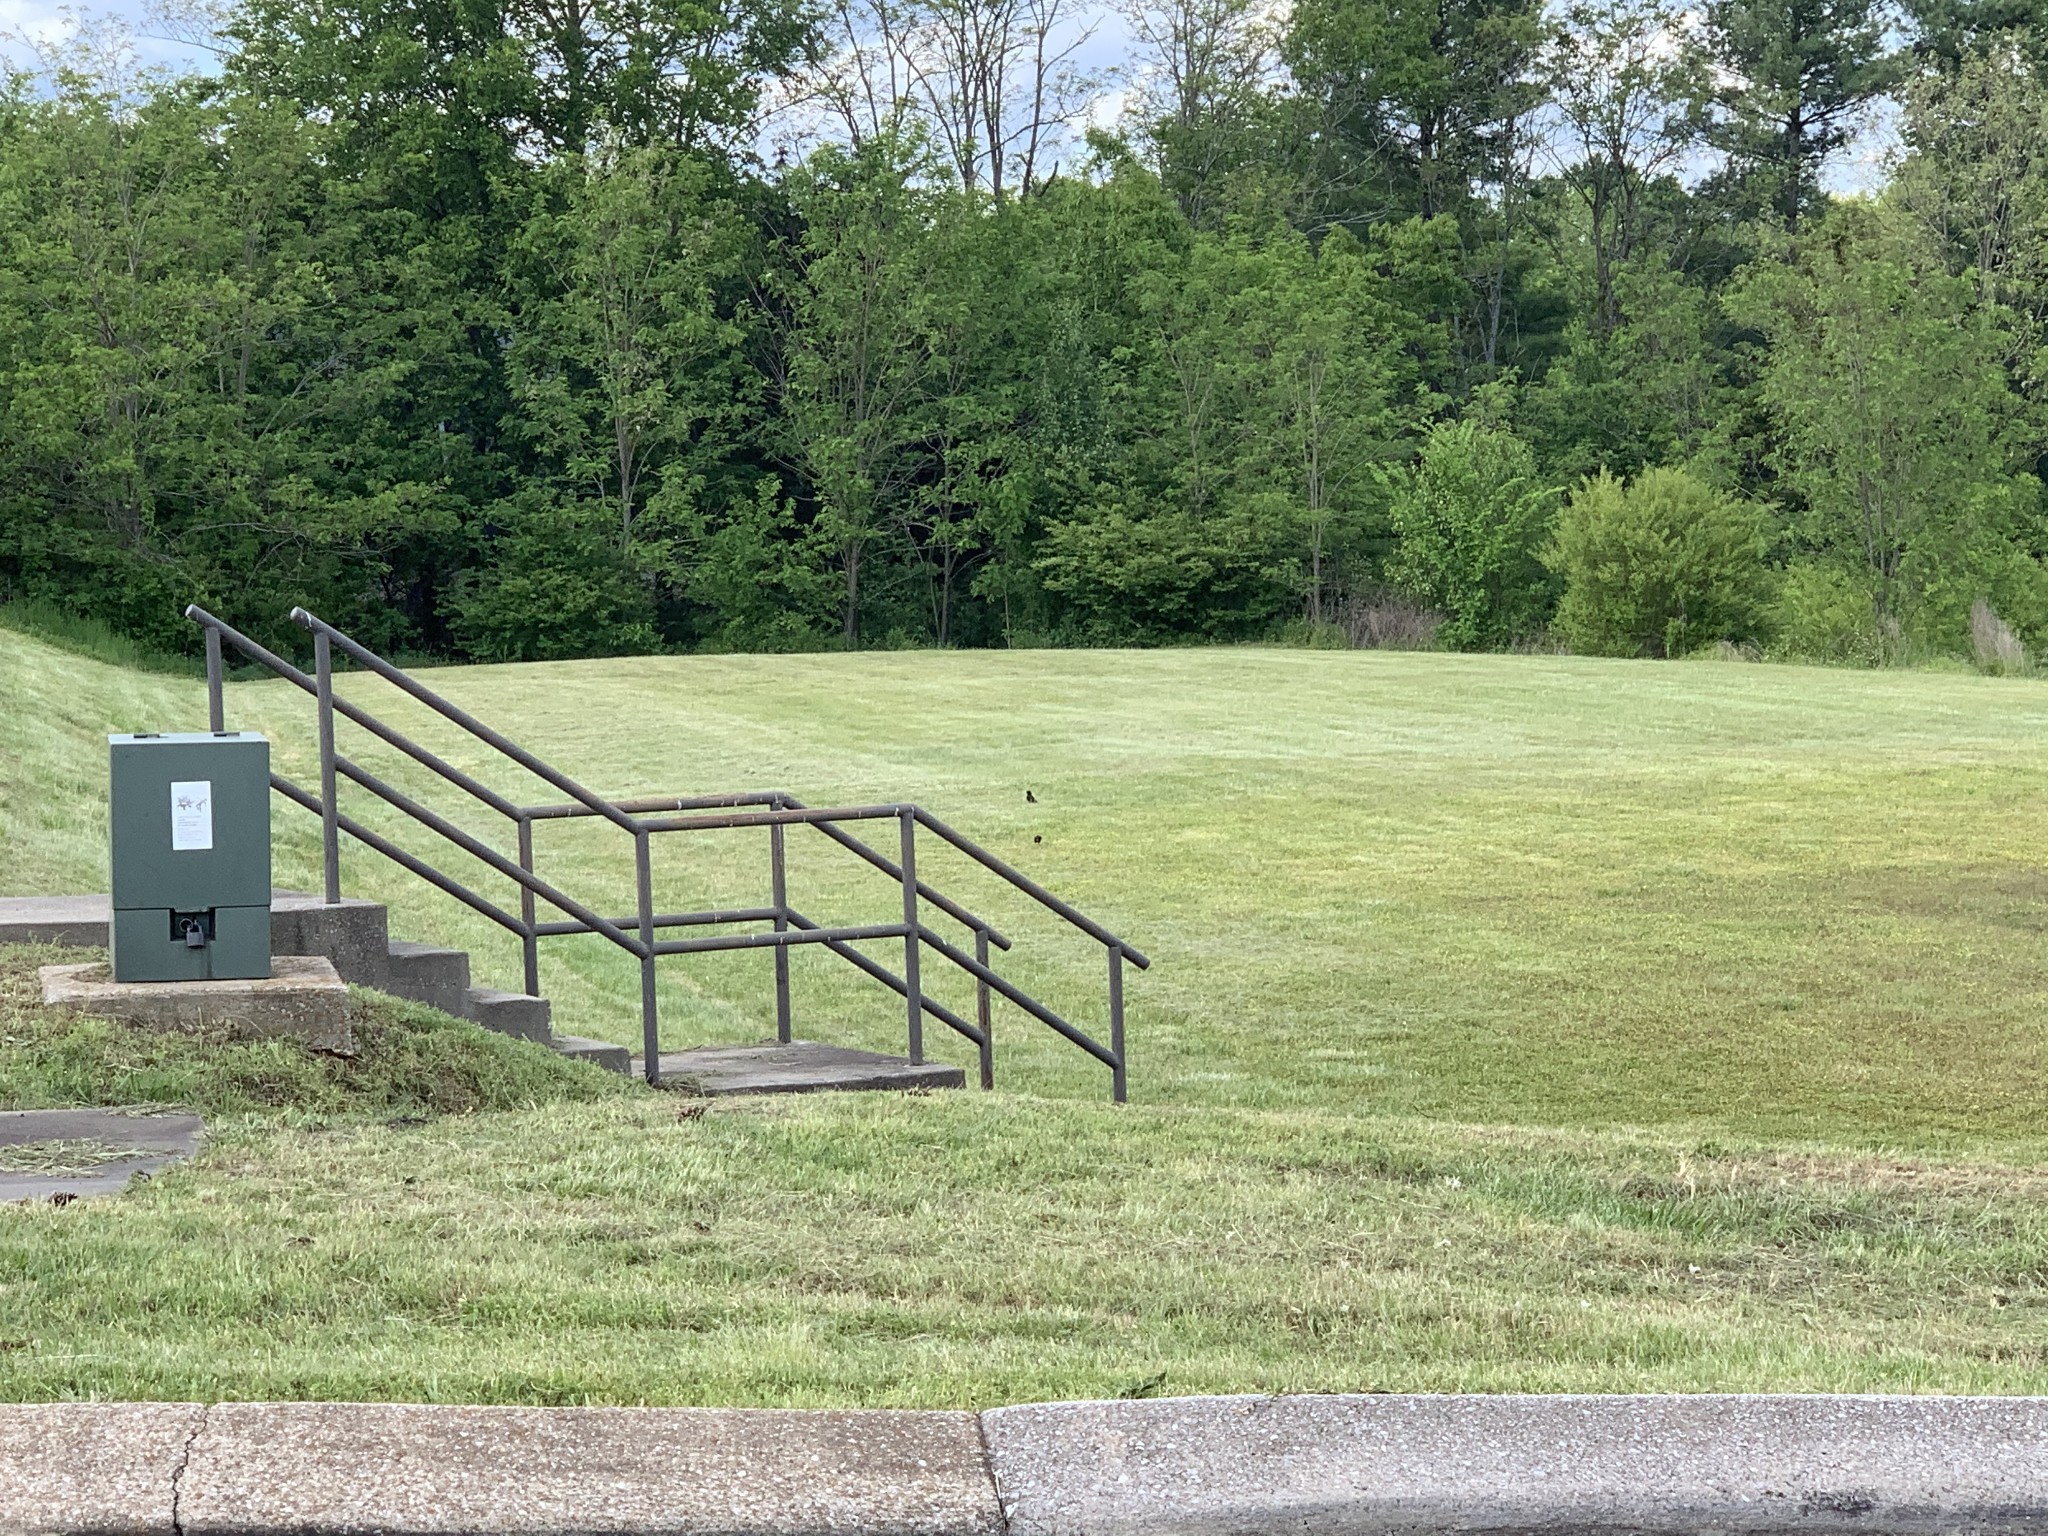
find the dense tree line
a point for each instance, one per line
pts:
(491, 328)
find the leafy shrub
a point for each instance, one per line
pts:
(1660, 566)
(557, 585)
(1469, 519)
(1827, 612)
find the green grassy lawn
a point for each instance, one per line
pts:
(1516, 1022)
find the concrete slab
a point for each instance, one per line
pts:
(153, 1142)
(302, 998)
(409, 1468)
(104, 1468)
(802, 1066)
(1403, 1466)
(80, 921)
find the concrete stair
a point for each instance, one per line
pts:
(355, 936)
(437, 977)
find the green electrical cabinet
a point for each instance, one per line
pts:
(190, 845)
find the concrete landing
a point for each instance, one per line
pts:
(802, 1066)
(302, 998)
(77, 921)
(56, 1152)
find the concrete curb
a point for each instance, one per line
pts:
(1233, 1466)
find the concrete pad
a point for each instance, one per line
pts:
(104, 1468)
(154, 1142)
(802, 1066)
(302, 998)
(408, 1468)
(80, 921)
(1671, 1466)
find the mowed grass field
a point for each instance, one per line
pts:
(1515, 1023)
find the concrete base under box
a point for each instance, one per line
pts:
(302, 997)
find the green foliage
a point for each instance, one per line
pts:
(1469, 520)
(762, 577)
(557, 585)
(480, 330)
(1795, 73)
(1896, 431)
(1659, 566)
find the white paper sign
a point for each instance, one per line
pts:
(191, 815)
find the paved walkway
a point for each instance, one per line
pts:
(58, 1153)
(1233, 1466)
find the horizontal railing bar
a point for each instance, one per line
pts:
(668, 920)
(358, 714)
(1031, 888)
(650, 804)
(463, 718)
(398, 855)
(894, 871)
(771, 818)
(476, 848)
(751, 797)
(778, 940)
(1023, 1000)
(894, 983)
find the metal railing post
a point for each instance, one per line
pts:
(778, 879)
(981, 1013)
(1116, 1021)
(913, 993)
(216, 705)
(530, 940)
(330, 824)
(650, 1032)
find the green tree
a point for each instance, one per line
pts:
(860, 341)
(1895, 430)
(623, 369)
(1410, 101)
(1659, 566)
(1470, 519)
(1796, 73)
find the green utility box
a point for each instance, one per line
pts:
(190, 841)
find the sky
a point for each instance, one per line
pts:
(29, 28)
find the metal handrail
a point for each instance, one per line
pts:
(775, 797)
(644, 818)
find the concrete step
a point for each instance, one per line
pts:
(802, 1066)
(355, 935)
(599, 1053)
(511, 1013)
(425, 973)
